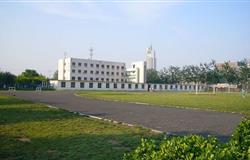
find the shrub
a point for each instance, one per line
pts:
(195, 147)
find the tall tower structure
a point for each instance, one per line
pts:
(150, 58)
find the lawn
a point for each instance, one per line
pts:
(226, 102)
(34, 131)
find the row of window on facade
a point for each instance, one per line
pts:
(97, 72)
(174, 87)
(96, 79)
(97, 65)
(100, 85)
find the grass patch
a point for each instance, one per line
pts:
(34, 131)
(227, 102)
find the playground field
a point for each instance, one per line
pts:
(225, 102)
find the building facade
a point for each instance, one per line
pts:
(89, 85)
(150, 58)
(137, 72)
(76, 69)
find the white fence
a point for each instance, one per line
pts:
(85, 85)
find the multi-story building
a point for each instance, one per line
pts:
(150, 58)
(77, 69)
(233, 64)
(137, 72)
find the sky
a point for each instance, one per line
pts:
(35, 34)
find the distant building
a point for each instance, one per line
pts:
(150, 58)
(235, 65)
(137, 72)
(231, 64)
(76, 69)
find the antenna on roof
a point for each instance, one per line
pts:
(91, 52)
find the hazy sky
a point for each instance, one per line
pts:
(36, 34)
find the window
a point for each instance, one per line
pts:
(79, 64)
(155, 86)
(122, 80)
(112, 73)
(185, 87)
(133, 66)
(129, 86)
(171, 87)
(73, 63)
(102, 72)
(107, 73)
(117, 67)
(107, 85)
(72, 84)
(107, 79)
(79, 71)
(190, 87)
(112, 80)
(122, 85)
(122, 67)
(176, 86)
(97, 65)
(142, 86)
(99, 85)
(63, 84)
(91, 65)
(122, 74)
(73, 71)
(97, 79)
(166, 86)
(107, 66)
(91, 72)
(90, 85)
(96, 72)
(85, 71)
(136, 86)
(102, 65)
(85, 64)
(82, 84)
(117, 73)
(115, 85)
(117, 80)
(85, 78)
(91, 79)
(113, 67)
(102, 79)
(180, 86)
(160, 86)
(73, 78)
(79, 78)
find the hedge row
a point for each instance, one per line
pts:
(196, 147)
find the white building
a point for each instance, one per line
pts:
(137, 72)
(90, 70)
(150, 58)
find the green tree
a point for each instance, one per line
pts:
(244, 74)
(214, 75)
(229, 74)
(7, 79)
(30, 79)
(174, 73)
(153, 76)
(55, 75)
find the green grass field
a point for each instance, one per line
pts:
(34, 131)
(228, 102)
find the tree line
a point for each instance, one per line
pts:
(29, 79)
(206, 73)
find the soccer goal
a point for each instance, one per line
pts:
(12, 89)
